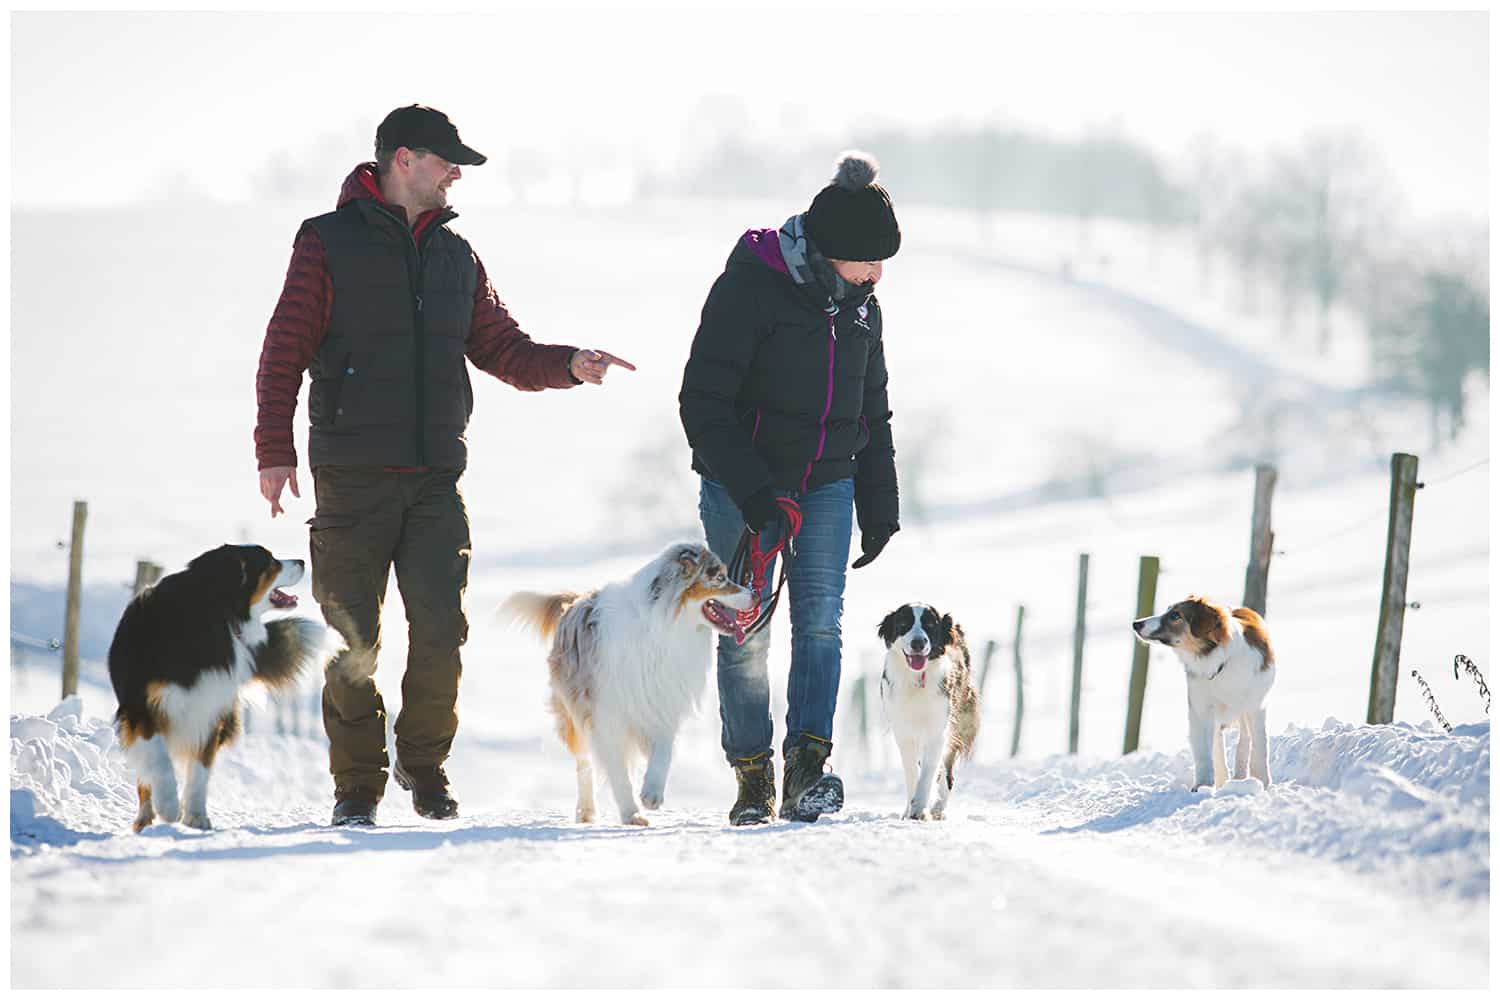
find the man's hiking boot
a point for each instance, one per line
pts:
(806, 791)
(757, 798)
(355, 808)
(429, 790)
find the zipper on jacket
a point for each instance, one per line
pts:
(419, 347)
(419, 367)
(419, 328)
(827, 402)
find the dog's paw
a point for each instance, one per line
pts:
(636, 819)
(141, 822)
(198, 821)
(651, 799)
(937, 813)
(169, 812)
(916, 812)
(585, 815)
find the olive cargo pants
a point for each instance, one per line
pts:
(369, 518)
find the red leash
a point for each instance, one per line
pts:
(749, 565)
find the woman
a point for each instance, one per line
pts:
(784, 396)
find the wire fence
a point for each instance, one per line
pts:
(1323, 593)
(298, 712)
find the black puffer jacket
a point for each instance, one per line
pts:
(781, 391)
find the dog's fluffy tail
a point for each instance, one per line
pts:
(293, 645)
(538, 613)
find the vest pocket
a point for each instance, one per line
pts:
(346, 391)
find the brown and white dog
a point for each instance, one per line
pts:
(928, 692)
(627, 664)
(182, 653)
(1230, 669)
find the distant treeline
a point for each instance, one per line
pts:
(985, 170)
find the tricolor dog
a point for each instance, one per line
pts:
(182, 653)
(627, 664)
(930, 700)
(1230, 669)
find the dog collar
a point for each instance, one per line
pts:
(1200, 677)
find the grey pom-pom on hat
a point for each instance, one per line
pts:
(852, 218)
(855, 170)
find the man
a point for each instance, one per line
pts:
(382, 304)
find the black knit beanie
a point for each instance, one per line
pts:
(852, 218)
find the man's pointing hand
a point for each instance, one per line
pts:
(589, 365)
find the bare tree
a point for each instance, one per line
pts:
(1335, 198)
(1428, 314)
(1247, 238)
(1211, 184)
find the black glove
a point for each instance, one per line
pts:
(760, 509)
(871, 542)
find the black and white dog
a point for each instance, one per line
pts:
(929, 697)
(181, 654)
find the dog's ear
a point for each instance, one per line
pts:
(950, 630)
(255, 560)
(1205, 620)
(689, 561)
(888, 630)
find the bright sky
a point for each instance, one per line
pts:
(104, 105)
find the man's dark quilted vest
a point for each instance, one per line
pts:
(390, 385)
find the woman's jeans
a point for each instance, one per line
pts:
(815, 603)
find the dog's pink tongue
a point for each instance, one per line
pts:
(915, 662)
(281, 599)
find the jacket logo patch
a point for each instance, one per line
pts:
(864, 315)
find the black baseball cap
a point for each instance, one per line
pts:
(417, 126)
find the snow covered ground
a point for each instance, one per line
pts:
(1366, 863)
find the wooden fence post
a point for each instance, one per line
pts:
(75, 598)
(1387, 661)
(1078, 633)
(146, 575)
(990, 647)
(1145, 602)
(1015, 734)
(1261, 538)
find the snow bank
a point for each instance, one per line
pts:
(67, 777)
(1398, 765)
(1407, 804)
(69, 781)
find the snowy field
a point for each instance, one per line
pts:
(1015, 390)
